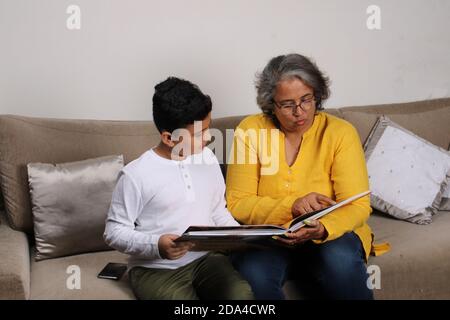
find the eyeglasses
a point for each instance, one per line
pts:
(290, 106)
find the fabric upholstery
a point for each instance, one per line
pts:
(70, 202)
(49, 278)
(418, 265)
(417, 122)
(26, 139)
(14, 262)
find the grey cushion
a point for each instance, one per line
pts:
(70, 202)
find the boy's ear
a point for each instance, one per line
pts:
(166, 138)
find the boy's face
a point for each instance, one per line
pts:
(192, 139)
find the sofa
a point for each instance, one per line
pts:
(417, 266)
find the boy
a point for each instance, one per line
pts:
(159, 195)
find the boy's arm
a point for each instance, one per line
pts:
(120, 232)
(220, 214)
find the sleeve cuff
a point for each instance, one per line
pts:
(331, 234)
(154, 240)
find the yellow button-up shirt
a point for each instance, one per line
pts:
(330, 161)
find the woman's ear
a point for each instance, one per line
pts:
(166, 138)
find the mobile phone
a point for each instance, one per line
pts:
(113, 271)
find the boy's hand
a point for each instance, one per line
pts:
(168, 249)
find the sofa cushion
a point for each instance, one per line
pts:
(49, 278)
(14, 262)
(25, 139)
(70, 204)
(418, 265)
(432, 125)
(417, 172)
(445, 203)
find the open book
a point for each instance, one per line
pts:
(229, 237)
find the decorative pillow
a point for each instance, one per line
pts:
(70, 202)
(445, 203)
(407, 174)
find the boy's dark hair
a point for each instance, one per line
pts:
(178, 103)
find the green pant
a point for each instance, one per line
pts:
(209, 277)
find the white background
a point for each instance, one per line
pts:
(107, 70)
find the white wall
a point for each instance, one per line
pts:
(108, 68)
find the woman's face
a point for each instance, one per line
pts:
(294, 91)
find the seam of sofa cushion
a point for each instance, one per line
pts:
(400, 104)
(81, 132)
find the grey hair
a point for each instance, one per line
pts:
(285, 67)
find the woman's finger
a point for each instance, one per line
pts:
(315, 205)
(307, 207)
(295, 238)
(325, 199)
(298, 235)
(311, 224)
(299, 210)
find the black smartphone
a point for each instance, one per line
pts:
(113, 271)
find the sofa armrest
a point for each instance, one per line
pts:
(14, 262)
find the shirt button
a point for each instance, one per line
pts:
(289, 171)
(185, 175)
(188, 187)
(287, 185)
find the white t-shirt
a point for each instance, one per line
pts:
(156, 196)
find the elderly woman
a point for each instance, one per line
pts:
(319, 161)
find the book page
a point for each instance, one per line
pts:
(298, 222)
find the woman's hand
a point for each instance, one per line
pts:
(311, 202)
(168, 249)
(313, 231)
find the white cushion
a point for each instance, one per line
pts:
(445, 202)
(407, 174)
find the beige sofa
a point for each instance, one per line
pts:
(418, 266)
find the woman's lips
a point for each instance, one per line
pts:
(300, 122)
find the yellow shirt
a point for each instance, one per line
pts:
(330, 161)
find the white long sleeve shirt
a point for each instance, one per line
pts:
(156, 196)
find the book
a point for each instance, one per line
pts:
(209, 238)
